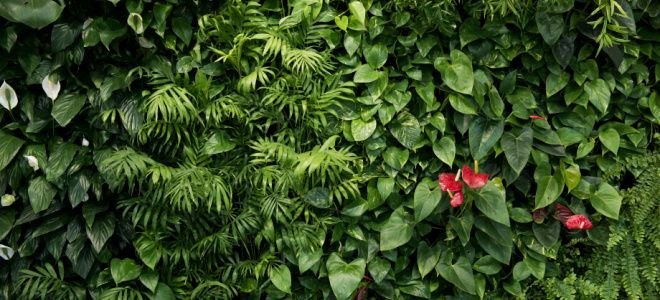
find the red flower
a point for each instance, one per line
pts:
(537, 117)
(562, 213)
(456, 200)
(448, 183)
(579, 222)
(539, 215)
(474, 180)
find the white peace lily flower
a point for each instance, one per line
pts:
(5, 252)
(8, 98)
(7, 200)
(85, 142)
(32, 161)
(51, 88)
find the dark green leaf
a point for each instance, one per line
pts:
(483, 135)
(41, 194)
(397, 231)
(9, 147)
(123, 270)
(517, 148)
(427, 196)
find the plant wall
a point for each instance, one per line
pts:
(328, 149)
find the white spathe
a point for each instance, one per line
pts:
(85, 142)
(5, 252)
(8, 98)
(52, 88)
(32, 161)
(7, 200)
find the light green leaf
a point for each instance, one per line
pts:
(34, 13)
(610, 139)
(365, 74)
(462, 104)
(385, 186)
(406, 130)
(376, 55)
(362, 130)
(458, 74)
(427, 196)
(344, 277)
(123, 270)
(607, 201)
(41, 194)
(307, 259)
(149, 279)
(460, 274)
(219, 142)
(67, 107)
(571, 175)
(9, 147)
(491, 200)
(517, 148)
(358, 11)
(397, 231)
(280, 276)
(342, 22)
(396, 157)
(483, 135)
(445, 150)
(135, 22)
(164, 292)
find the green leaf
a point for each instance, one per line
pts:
(280, 276)
(34, 13)
(427, 257)
(101, 230)
(654, 102)
(607, 201)
(379, 268)
(342, 22)
(517, 148)
(307, 259)
(460, 274)
(182, 28)
(149, 279)
(521, 215)
(491, 200)
(397, 231)
(487, 265)
(62, 36)
(426, 198)
(61, 157)
(375, 54)
(458, 74)
(483, 135)
(548, 190)
(462, 104)
(41, 194)
(445, 150)
(551, 26)
(362, 130)
(462, 226)
(599, 94)
(123, 270)
(585, 148)
(344, 277)
(7, 218)
(406, 130)
(496, 239)
(109, 30)
(571, 175)
(219, 142)
(547, 234)
(365, 74)
(9, 147)
(164, 292)
(555, 83)
(426, 91)
(67, 107)
(358, 11)
(396, 157)
(610, 139)
(385, 187)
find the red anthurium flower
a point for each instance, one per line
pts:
(562, 213)
(578, 222)
(448, 183)
(472, 179)
(456, 200)
(539, 215)
(537, 117)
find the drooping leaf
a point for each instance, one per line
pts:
(67, 107)
(9, 147)
(607, 201)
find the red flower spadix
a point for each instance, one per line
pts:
(448, 183)
(456, 200)
(472, 179)
(562, 213)
(578, 222)
(537, 117)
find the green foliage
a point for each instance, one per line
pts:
(290, 149)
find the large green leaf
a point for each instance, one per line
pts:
(67, 107)
(365, 74)
(59, 160)
(427, 196)
(101, 230)
(362, 130)
(610, 139)
(496, 239)
(607, 201)
(376, 55)
(599, 94)
(551, 26)
(427, 257)
(397, 231)
(457, 74)
(280, 276)
(41, 194)
(123, 270)
(517, 148)
(34, 13)
(9, 147)
(483, 135)
(548, 190)
(344, 277)
(445, 150)
(491, 201)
